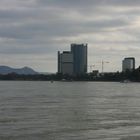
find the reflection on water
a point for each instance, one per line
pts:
(69, 111)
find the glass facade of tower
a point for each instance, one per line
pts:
(79, 58)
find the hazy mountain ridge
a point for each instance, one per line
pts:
(24, 70)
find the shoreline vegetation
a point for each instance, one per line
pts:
(133, 76)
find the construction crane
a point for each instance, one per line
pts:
(103, 62)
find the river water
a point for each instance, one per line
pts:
(69, 111)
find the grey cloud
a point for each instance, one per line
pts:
(90, 3)
(60, 26)
(45, 26)
(46, 29)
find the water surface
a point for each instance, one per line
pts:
(69, 111)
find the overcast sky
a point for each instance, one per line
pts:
(32, 31)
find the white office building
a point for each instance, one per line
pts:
(128, 64)
(65, 62)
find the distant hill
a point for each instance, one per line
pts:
(24, 70)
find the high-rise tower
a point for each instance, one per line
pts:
(79, 58)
